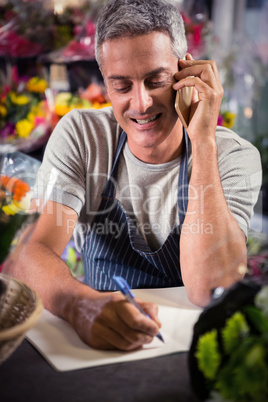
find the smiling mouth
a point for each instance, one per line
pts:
(145, 121)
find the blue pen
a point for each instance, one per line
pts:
(126, 291)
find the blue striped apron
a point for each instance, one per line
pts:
(114, 245)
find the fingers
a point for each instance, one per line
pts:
(196, 74)
(117, 337)
(191, 62)
(203, 77)
(189, 56)
(137, 321)
(152, 310)
(205, 70)
(116, 324)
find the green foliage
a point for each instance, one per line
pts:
(235, 330)
(244, 377)
(257, 319)
(208, 355)
(8, 229)
(16, 112)
(238, 371)
(74, 263)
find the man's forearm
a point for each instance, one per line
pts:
(45, 272)
(213, 247)
(102, 320)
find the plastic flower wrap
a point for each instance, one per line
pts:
(80, 47)
(228, 358)
(194, 35)
(25, 115)
(198, 29)
(17, 178)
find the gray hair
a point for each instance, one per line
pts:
(129, 18)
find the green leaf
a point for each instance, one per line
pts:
(244, 376)
(8, 230)
(226, 384)
(252, 374)
(257, 319)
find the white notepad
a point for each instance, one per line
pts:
(57, 341)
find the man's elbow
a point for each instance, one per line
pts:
(201, 288)
(198, 295)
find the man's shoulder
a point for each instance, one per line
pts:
(229, 143)
(100, 116)
(89, 125)
(228, 140)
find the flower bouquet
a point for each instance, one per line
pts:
(94, 96)
(25, 114)
(198, 28)
(26, 29)
(228, 358)
(17, 178)
(80, 47)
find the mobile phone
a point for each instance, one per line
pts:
(183, 104)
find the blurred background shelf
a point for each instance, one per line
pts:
(56, 40)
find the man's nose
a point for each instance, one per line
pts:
(141, 99)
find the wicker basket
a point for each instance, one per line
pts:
(20, 308)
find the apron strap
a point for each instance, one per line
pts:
(110, 187)
(183, 180)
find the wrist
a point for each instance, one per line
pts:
(70, 302)
(204, 145)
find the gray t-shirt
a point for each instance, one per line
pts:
(79, 157)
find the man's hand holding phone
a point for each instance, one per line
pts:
(199, 96)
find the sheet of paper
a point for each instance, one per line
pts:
(57, 341)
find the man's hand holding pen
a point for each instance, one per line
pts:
(108, 321)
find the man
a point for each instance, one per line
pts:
(150, 202)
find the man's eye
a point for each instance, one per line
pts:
(122, 89)
(156, 84)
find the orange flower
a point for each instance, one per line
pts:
(15, 186)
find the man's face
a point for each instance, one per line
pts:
(138, 73)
